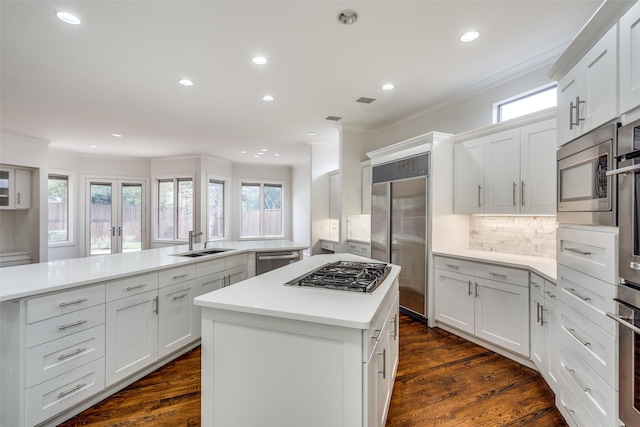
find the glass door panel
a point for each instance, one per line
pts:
(101, 228)
(130, 230)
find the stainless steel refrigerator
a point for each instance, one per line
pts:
(399, 229)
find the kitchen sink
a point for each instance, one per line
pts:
(203, 252)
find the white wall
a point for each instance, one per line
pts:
(301, 204)
(29, 227)
(324, 159)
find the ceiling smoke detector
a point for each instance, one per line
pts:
(347, 17)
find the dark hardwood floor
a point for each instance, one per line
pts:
(442, 380)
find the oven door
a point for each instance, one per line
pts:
(629, 361)
(628, 174)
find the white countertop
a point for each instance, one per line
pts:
(33, 279)
(545, 267)
(267, 295)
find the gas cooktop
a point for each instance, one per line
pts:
(351, 276)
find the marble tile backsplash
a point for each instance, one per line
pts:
(359, 227)
(519, 235)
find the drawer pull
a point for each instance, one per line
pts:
(78, 301)
(384, 363)
(575, 378)
(469, 287)
(131, 288)
(71, 325)
(577, 251)
(550, 294)
(180, 296)
(504, 276)
(180, 276)
(580, 340)
(573, 292)
(376, 334)
(76, 388)
(452, 266)
(571, 412)
(73, 353)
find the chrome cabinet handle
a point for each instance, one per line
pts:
(452, 266)
(131, 288)
(575, 378)
(78, 301)
(626, 169)
(577, 251)
(180, 296)
(504, 276)
(624, 322)
(571, 412)
(469, 287)
(394, 321)
(180, 276)
(479, 189)
(542, 309)
(71, 325)
(76, 388)
(73, 353)
(477, 294)
(384, 363)
(513, 191)
(573, 292)
(156, 305)
(580, 340)
(538, 312)
(549, 294)
(18, 198)
(522, 193)
(376, 334)
(571, 107)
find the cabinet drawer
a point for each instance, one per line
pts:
(176, 275)
(49, 306)
(62, 326)
(210, 267)
(502, 274)
(596, 395)
(455, 265)
(572, 408)
(55, 396)
(53, 358)
(131, 286)
(328, 246)
(358, 248)
(590, 252)
(594, 346)
(235, 261)
(536, 284)
(590, 297)
(550, 292)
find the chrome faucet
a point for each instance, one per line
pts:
(192, 236)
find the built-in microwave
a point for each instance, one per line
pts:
(586, 195)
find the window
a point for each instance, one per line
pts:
(261, 212)
(526, 103)
(174, 209)
(58, 209)
(215, 209)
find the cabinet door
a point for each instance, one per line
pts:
(502, 173)
(235, 275)
(132, 335)
(538, 350)
(538, 168)
(6, 188)
(551, 344)
(599, 82)
(177, 318)
(568, 91)
(630, 59)
(382, 356)
(23, 189)
(502, 315)
(455, 300)
(468, 177)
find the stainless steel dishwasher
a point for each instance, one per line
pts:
(267, 261)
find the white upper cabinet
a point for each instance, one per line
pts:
(507, 172)
(15, 188)
(630, 59)
(587, 94)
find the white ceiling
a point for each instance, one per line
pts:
(117, 72)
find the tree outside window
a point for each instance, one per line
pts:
(215, 209)
(58, 208)
(261, 210)
(174, 208)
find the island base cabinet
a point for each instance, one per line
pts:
(132, 335)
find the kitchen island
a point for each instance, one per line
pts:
(277, 355)
(74, 331)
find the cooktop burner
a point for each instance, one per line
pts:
(345, 276)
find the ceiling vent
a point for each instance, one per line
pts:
(365, 100)
(333, 118)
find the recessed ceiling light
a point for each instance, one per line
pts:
(264, 149)
(259, 60)
(93, 146)
(347, 16)
(260, 153)
(117, 135)
(311, 133)
(276, 154)
(69, 18)
(388, 86)
(185, 82)
(243, 152)
(256, 156)
(268, 98)
(469, 36)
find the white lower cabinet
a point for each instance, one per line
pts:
(132, 335)
(543, 328)
(177, 321)
(495, 310)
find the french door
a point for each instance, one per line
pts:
(115, 215)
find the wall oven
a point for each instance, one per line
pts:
(586, 194)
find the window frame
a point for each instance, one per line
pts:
(225, 207)
(71, 203)
(497, 107)
(283, 203)
(156, 211)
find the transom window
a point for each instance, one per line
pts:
(526, 103)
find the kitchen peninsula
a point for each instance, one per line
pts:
(278, 355)
(75, 331)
